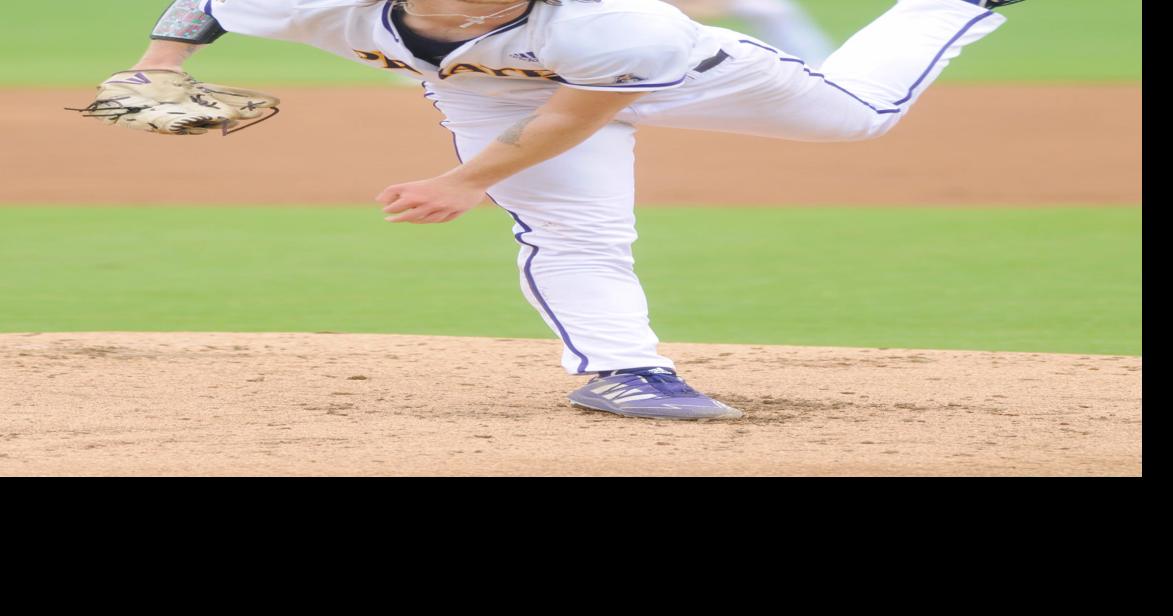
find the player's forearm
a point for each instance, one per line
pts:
(166, 55)
(181, 30)
(537, 138)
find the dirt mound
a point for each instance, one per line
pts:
(332, 404)
(1012, 145)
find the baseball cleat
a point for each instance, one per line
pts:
(992, 4)
(653, 393)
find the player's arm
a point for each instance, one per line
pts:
(181, 30)
(165, 56)
(566, 120)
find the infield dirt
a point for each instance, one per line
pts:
(334, 404)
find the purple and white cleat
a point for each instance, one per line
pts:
(992, 4)
(654, 393)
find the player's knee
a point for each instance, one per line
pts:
(872, 128)
(856, 127)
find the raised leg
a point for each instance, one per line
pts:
(861, 91)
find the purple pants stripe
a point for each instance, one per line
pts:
(528, 269)
(824, 78)
(533, 286)
(911, 90)
(937, 57)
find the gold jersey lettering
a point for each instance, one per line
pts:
(457, 69)
(388, 63)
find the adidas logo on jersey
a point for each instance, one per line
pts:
(528, 56)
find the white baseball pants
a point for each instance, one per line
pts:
(574, 214)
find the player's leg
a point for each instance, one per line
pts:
(574, 220)
(861, 92)
(884, 68)
(893, 60)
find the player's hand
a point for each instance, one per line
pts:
(429, 201)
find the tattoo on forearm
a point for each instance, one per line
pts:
(513, 135)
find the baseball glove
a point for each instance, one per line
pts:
(174, 103)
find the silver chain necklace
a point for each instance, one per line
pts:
(473, 20)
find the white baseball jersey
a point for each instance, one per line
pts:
(621, 45)
(574, 213)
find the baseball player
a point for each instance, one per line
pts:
(543, 98)
(781, 23)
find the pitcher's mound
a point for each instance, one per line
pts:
(333, 404)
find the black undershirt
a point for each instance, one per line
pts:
(426, 49)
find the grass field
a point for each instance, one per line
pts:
(1056, 279)
(79, 43)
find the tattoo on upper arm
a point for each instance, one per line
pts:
(513, 135)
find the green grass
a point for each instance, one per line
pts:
(79, 43)
(1040, 280)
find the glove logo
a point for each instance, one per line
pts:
(138, 79)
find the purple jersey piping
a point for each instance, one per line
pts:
(387, 20)
(630, 85)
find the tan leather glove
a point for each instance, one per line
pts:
(174, 103)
